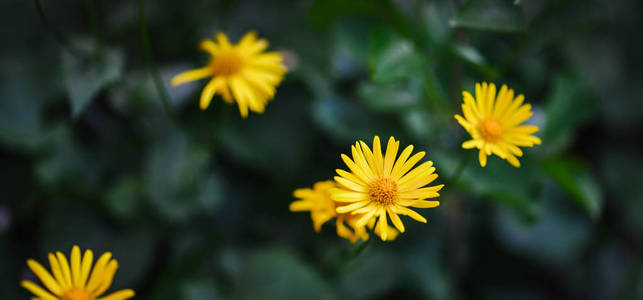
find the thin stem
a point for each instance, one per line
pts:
(459, 169)
(61, 38)
(90, 7)
(150, 61)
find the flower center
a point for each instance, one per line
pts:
(490, 129)
(383, 191)
(77, 294)
(226, 63)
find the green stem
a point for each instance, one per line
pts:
(90, 7)
(459, 169)
(61, 38)
(150, 61)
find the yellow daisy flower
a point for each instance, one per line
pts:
(74, 282)
(494, 123)
(243, 72)
(322, 209)
(380, 185)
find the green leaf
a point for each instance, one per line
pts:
(199, 290)
(278, 274)
(324, 12)
(393, 57)
(125, 198)
(85, 77)
(347, 121)
(490, 15)
(568, 107)
(180, 182)
(499, 182)
(395, 96)
(359, 273)
(576, 179)
(559, 238)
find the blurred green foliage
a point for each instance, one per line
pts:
(195, 205)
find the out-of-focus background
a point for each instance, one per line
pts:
(196, 206)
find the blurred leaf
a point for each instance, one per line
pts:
(576, 179)
(278, 274)
(558, 238)
(426, 268)
(180, 182)
(323, 12)
(124, 199)
(622, 173)
(350, 51)
(200, 290)
(420, 124)
(518, 188)
(435, 16)
(253, 142)
(394, 96)
(86, 77)
(568, 106)
(361, 271)
(490, 15)
(21, 105)
(393, 57)
(65, 161)
(346, 121)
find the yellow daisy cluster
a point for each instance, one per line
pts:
(379, 186)
(322, 209)
(241, 72)
(494, 123)
(72, 280)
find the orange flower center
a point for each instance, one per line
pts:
(77, 294)
(226, 62)
(383, 191)
(490, 129)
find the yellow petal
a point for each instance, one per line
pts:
(483, 158)
(396, 220)
(209, 90)
(96, 277)
(55, 268)
(108, 277)
(350, 184)
(119, 295)
(85, 267)
(350, 207)
(377, 155)
(64, 266)
(75, 264)
(350, 177)
(44, 277)
(401, 160)
(36, 290)
(191, 75)
(425, 204)
(409, 212)
(209, 46)
(390, 155)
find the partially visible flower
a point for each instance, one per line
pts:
(242, 72)
(74, 282)
(322, 209)
(317, 201)
(494, 123)
(380, 185)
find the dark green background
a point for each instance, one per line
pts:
(196, 206)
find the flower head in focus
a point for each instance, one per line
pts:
(494, 123)
(381, 186)
(74, 281)
(322, 209)
(241, 73)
